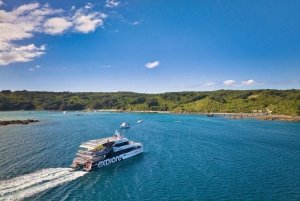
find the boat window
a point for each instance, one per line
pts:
(128, 150)
(121, 144)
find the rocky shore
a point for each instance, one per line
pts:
(260, 116)
(268, 117)
(279, 118)
(23, 122)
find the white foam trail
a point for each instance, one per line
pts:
(28, 185)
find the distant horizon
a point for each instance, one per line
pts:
(143, 92)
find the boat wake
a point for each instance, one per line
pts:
(33, 183)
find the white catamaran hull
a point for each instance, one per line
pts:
(102, 152)
(115, 159)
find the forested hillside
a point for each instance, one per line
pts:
(278, 101)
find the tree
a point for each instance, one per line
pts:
(28, 106)
(298, 110)
(63, 106)
(6, 91)
(152, 102)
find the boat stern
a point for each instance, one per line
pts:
(79, 163)
(87, 167)
(74, 166)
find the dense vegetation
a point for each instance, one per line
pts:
(278, 101)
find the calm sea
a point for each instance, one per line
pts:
(200, 158)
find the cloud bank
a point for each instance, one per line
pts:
(26, 20)
(233, 83)
(152, 64)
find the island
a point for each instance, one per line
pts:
(251, 102)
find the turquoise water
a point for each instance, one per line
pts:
(199, 158)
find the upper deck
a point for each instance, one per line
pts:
(98, 143)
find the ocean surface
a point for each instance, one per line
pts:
(200, 158)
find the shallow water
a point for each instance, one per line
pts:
(199, 158)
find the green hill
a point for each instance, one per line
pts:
(278, 101)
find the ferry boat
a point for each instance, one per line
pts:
(98, 153)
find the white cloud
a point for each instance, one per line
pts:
(135, 23)
(28, 19)
(31, 69)
(88, 6)
(209, 84)
(38, 66)
(106, 66)
(20, 54)
(249, 82)
(152, 64)
(87, 23)
(56, 25)
(44, 11)
(229, 82)
(25, 8)
(111, 3)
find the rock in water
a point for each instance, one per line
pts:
(24, 122)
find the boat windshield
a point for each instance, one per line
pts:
(83, 150)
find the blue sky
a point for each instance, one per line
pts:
(149, 46)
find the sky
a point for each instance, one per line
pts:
(149, 46)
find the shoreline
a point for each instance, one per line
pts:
(280, 118)
(260, 116)
(267, 117)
